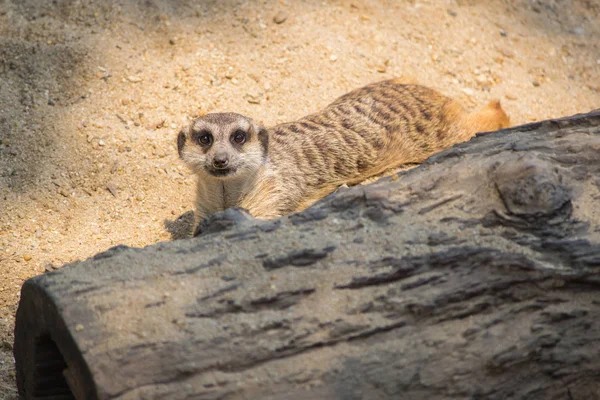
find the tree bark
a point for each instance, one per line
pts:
(473, 276)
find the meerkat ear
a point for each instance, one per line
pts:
(262, 134)
(181, 139)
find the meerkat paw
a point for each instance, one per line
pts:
(341, 188)
(222, 220)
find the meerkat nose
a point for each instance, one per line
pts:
(220, 160)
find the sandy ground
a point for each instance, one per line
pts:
(92, 95)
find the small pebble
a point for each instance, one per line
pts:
(253, 98)
(156, 125)
(506, 52)
(79, 327)
(26, 257)
(112, 188)
(579, 31)
(333, 57)
(383, 67)
(134, 79)
(280, 17)
(481, 79)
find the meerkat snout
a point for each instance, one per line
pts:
(220, 160)
(223, 146)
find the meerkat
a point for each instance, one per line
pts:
(276, 171)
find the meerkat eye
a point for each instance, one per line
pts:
(204, 138)
(239, 137)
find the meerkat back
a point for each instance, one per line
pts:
(372, 129)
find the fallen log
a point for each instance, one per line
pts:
(473, 276)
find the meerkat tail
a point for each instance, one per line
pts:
(490, 118)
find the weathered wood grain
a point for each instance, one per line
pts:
(473, 276)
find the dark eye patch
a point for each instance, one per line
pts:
(204, 138)
(239, 137)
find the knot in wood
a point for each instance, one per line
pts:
(531, 188)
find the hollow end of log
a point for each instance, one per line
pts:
(49, 364)
(48, 381)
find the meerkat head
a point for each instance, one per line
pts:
(223, 145)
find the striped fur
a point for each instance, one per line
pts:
(359, 135)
